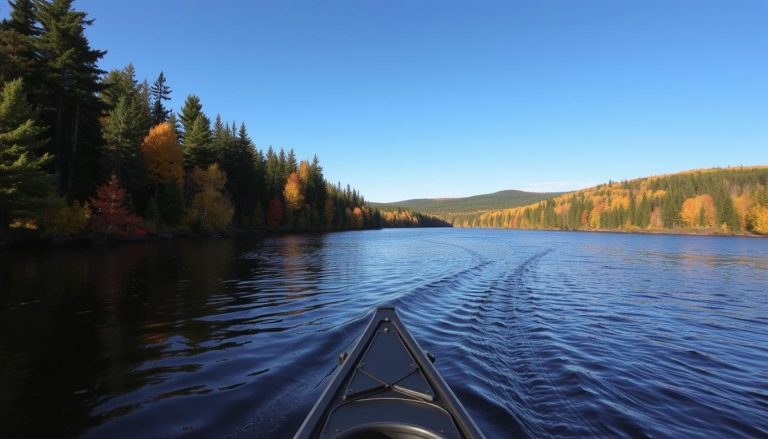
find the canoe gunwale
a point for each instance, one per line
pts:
(315, 420)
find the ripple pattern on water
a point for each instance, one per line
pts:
(540, 334)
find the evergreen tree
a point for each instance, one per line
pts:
(238, 161)
(171, 203)
(122, 137)
(69, 100)
(18, 58)
(174, 123)
(24, 185)
(159, 92)
(291, 165)
(191, 109)
(273, 172)
(198, 148)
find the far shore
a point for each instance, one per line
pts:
(678, 232)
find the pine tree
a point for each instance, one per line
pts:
(159, 92)
(24, 185)
(69, 97)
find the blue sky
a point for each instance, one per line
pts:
(407, 99)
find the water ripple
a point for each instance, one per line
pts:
(540, 334)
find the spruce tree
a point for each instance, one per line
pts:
(24, 185)
(18, 58)
(159, 92)
(198, 149)
(122, 137)
(189, 112)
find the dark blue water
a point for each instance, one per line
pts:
(540, 334)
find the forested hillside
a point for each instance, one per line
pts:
(403, 218)
(729, 200)
(449, 209)
(87, 151)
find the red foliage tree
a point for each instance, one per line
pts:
(275, 213)
(110, 214)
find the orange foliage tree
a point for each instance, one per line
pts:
(293, 193)
(698, 211)
(163, 155)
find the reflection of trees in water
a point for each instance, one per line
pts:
(50, 320)
(301, 265)
(168, 295)
(90, 334)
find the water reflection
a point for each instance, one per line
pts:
(540, 334)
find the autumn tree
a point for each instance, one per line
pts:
(210, 209)
(293, 193)
(698, 211)
(163, 155)
(757, 219)
(111, 216)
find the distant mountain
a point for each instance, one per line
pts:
(718, 200)
(447, 208)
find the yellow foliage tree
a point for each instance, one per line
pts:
(742, 203)
(210, 210)
(698, 211)
(757, 220)
(163, 155)
(304, 173)
(293, 193)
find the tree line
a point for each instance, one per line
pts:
(83, 150)
(727, 200)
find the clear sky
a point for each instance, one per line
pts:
(406, 99)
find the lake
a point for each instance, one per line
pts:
(539, 334)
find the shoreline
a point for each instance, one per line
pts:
(82, 241)
(673, 232)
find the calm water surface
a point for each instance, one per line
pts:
(540, 334)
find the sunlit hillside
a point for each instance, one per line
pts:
(718, 200)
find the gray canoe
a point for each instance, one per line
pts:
(387, 387)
